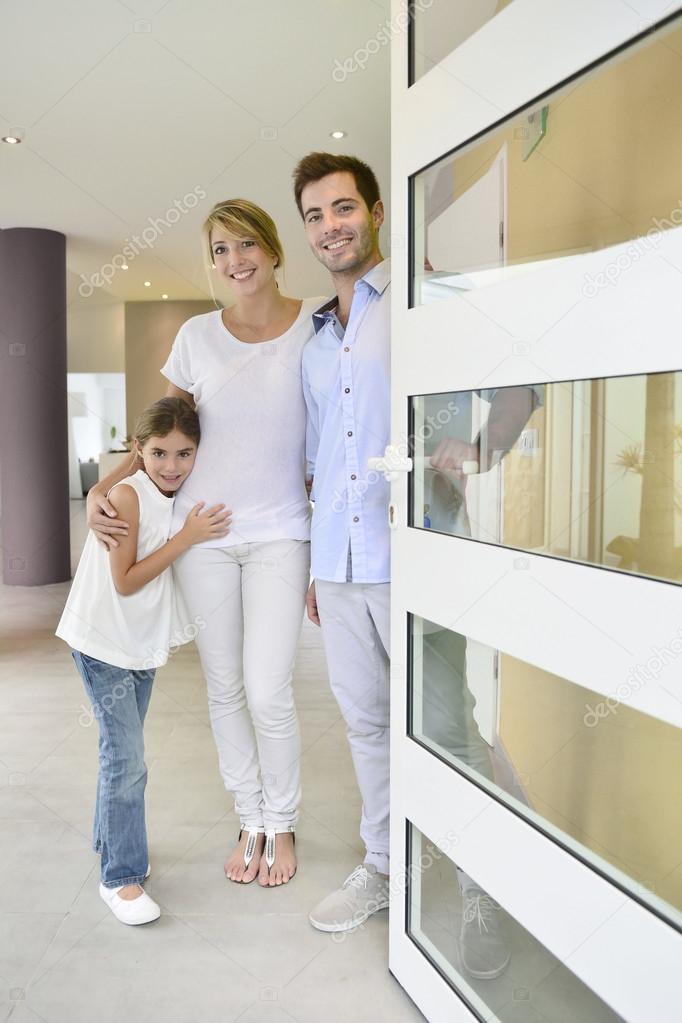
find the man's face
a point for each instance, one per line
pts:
(342, 232)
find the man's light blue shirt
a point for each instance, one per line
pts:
(346, 383)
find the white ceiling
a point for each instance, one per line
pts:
(127, 107)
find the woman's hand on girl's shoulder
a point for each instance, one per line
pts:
(106, 521)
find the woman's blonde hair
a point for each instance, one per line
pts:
(243, 219)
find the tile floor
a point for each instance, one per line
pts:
(219, 952)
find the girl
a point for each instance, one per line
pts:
(242, 367)
(120, 619)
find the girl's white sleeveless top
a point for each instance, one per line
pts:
(135, 631)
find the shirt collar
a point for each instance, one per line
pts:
(378, 279)
(324, 313)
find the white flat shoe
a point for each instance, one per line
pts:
(141, 910)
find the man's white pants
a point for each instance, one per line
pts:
(355, 620)
(251, 598)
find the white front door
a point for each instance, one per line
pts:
(536, 810)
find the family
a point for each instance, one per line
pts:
(271, 403)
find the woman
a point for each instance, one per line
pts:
(241, 367)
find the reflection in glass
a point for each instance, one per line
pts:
(462, 930)
(438, 26)
(589, 470)
(593, 166)
(604, 779)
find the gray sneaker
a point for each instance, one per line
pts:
(484, 951)
(364, 892)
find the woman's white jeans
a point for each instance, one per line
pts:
(251, 598)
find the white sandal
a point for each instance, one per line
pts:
(269, 851)
(249, 851)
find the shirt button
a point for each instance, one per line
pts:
(353, 476)
(347, 390)
(350, 433)
(346, 349)
(355, 518)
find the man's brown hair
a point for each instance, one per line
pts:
(316, 166)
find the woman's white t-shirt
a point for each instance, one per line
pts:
(249, 397)
(134, 631)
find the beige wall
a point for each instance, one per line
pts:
(524, 490)
(150, 329)
(609, 163)
(95, 337)
(616, 787)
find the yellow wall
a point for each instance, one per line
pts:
(616, 787)
(609, 163)
(524, 491)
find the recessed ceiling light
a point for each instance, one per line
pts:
(12, 140)
(147, 284)
(338, 134)
(124, 266)
(164, 296)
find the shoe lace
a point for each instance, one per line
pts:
(479, 908)
(358, 878)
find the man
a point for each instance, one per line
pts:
(346, 380)
(346, 384)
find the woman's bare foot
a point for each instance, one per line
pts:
(284, 867)
(130, 892)
(235, 870)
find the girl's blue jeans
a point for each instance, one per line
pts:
(119, 699)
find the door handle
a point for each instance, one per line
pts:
(391, 463)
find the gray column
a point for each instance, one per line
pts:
(34, 476)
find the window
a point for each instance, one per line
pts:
(589, 470)
(438, 26)
(600, 777)
(509, 976)
(592, 167)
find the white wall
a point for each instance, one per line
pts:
(96, 403)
